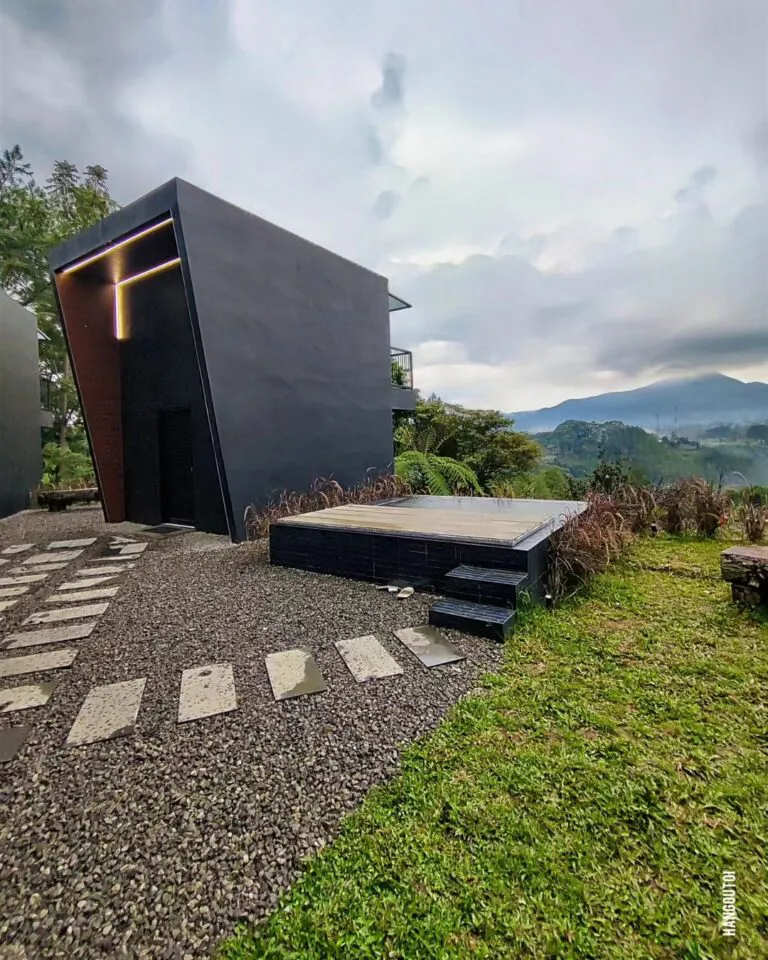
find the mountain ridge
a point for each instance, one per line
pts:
(666, 405)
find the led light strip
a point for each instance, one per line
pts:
(120, 333)
(116, 246)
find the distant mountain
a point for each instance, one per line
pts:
(705, 400)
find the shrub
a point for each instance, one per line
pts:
(436, 475)
(585, 545)
(321, 495)
(692, 504)
(752, 512)
(66, 468)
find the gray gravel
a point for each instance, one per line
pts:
(155, 845)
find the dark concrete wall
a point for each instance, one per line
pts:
(20, 457)
(296, 346)
(159, 371)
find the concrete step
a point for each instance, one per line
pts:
(485, 585)
(479, 619)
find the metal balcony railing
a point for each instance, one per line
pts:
(402, 367)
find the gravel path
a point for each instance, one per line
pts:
(154, 845)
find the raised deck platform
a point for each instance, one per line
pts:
(421, 539)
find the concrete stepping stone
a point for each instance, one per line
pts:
(37, 638)
(71, 544)
(43, 568)
(120, 540)
(7, 604)
(12, 739)
(67, 613)
(125, 558)
(367, 659)
(130, 549)
(57, 556)
(6, 592)
(294, 673)
(23, 578)
(107, 712)
(102, 594)
(36, 662)
(17, 548)
(429, 645)
(97, 571)
(23, 698)
(206, 691)
(86, 583)
(3, 561)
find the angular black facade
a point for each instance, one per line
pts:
(220, 359)
(20, 457)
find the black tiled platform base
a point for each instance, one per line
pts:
(485, 585)
(481, 620)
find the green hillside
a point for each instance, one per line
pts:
(578, 446)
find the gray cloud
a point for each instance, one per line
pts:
(391, 93)
(386, 204)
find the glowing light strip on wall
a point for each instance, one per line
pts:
(120, 331)
(117, 246)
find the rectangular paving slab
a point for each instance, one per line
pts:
(367, 659)
(6, 592)
(99, 561)
(101, 594)
(206, 691)
(43, 568)
(131, 549)
(67, 613)
(12, 739)
(17, 548)
(429, 645)
(85, 583)
(107, 712)
(106, 568)
(37, 638)
(23, 578)
(7, 604)
(294, 673)
(56, 556)
(22, 698)
(50, 660)
(64, 544)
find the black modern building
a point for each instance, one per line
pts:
(221, 360)
(20, 414)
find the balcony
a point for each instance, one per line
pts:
(403, 394)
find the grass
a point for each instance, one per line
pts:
(583, 805)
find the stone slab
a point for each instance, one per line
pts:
(367, 659)
(3, 561)
(7, 604)
(429, 645)
(206, 691)
(121, 540)
(294, 673)
(67, 613)
(130, 549)
(12, 739)
(17, 548)
(23, 698)
(36, 662)
(38, 638)
(106, 568)
(57, 556)
(48, 567)
(101, 594)
(112, 557)
(86, 583)
(71, 544)
(107, 712)
(6, 592)
(22, 578)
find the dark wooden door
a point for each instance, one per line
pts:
(177, 490)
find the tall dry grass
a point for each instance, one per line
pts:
(321, 495)
(752, 515)
(693, 505)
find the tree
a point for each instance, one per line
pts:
(481, 439)
(758, 431)
(33, 219)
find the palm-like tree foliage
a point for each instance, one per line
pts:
(440, 476)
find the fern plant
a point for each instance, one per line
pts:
(439, 476)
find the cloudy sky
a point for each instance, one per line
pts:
(573, 193)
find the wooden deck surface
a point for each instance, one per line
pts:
(456, 524)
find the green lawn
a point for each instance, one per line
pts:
(583, 805)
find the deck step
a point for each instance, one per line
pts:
(479, 619)
(485, 585)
